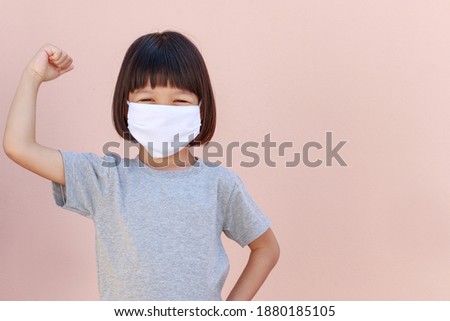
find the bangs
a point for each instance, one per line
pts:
(164, 64)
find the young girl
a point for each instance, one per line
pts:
(158, 217)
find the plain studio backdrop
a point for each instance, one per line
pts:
(375, 74)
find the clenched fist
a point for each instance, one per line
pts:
(49, 63)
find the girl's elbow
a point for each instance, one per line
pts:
(12, 150)
(273, 248)
(9, 149)
(275, 252)
(272, 252)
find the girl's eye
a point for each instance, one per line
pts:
(151, 100)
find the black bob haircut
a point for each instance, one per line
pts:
(165, 59)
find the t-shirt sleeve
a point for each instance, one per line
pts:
(86, 176)
(244, 221)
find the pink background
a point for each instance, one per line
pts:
(375, 73)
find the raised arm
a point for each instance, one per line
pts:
(19, 140)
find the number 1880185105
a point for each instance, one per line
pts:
(299, 311)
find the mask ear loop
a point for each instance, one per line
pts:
(201, 121)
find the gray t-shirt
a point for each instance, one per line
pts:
(158, 233)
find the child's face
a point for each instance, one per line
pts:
(163, 96)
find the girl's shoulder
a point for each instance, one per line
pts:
(223, 173)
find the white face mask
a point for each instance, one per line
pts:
(163, 130)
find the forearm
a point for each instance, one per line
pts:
(261, 261)
(20, 129)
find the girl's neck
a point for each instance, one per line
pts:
(181, 160)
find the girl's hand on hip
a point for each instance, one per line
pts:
(49, 63)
